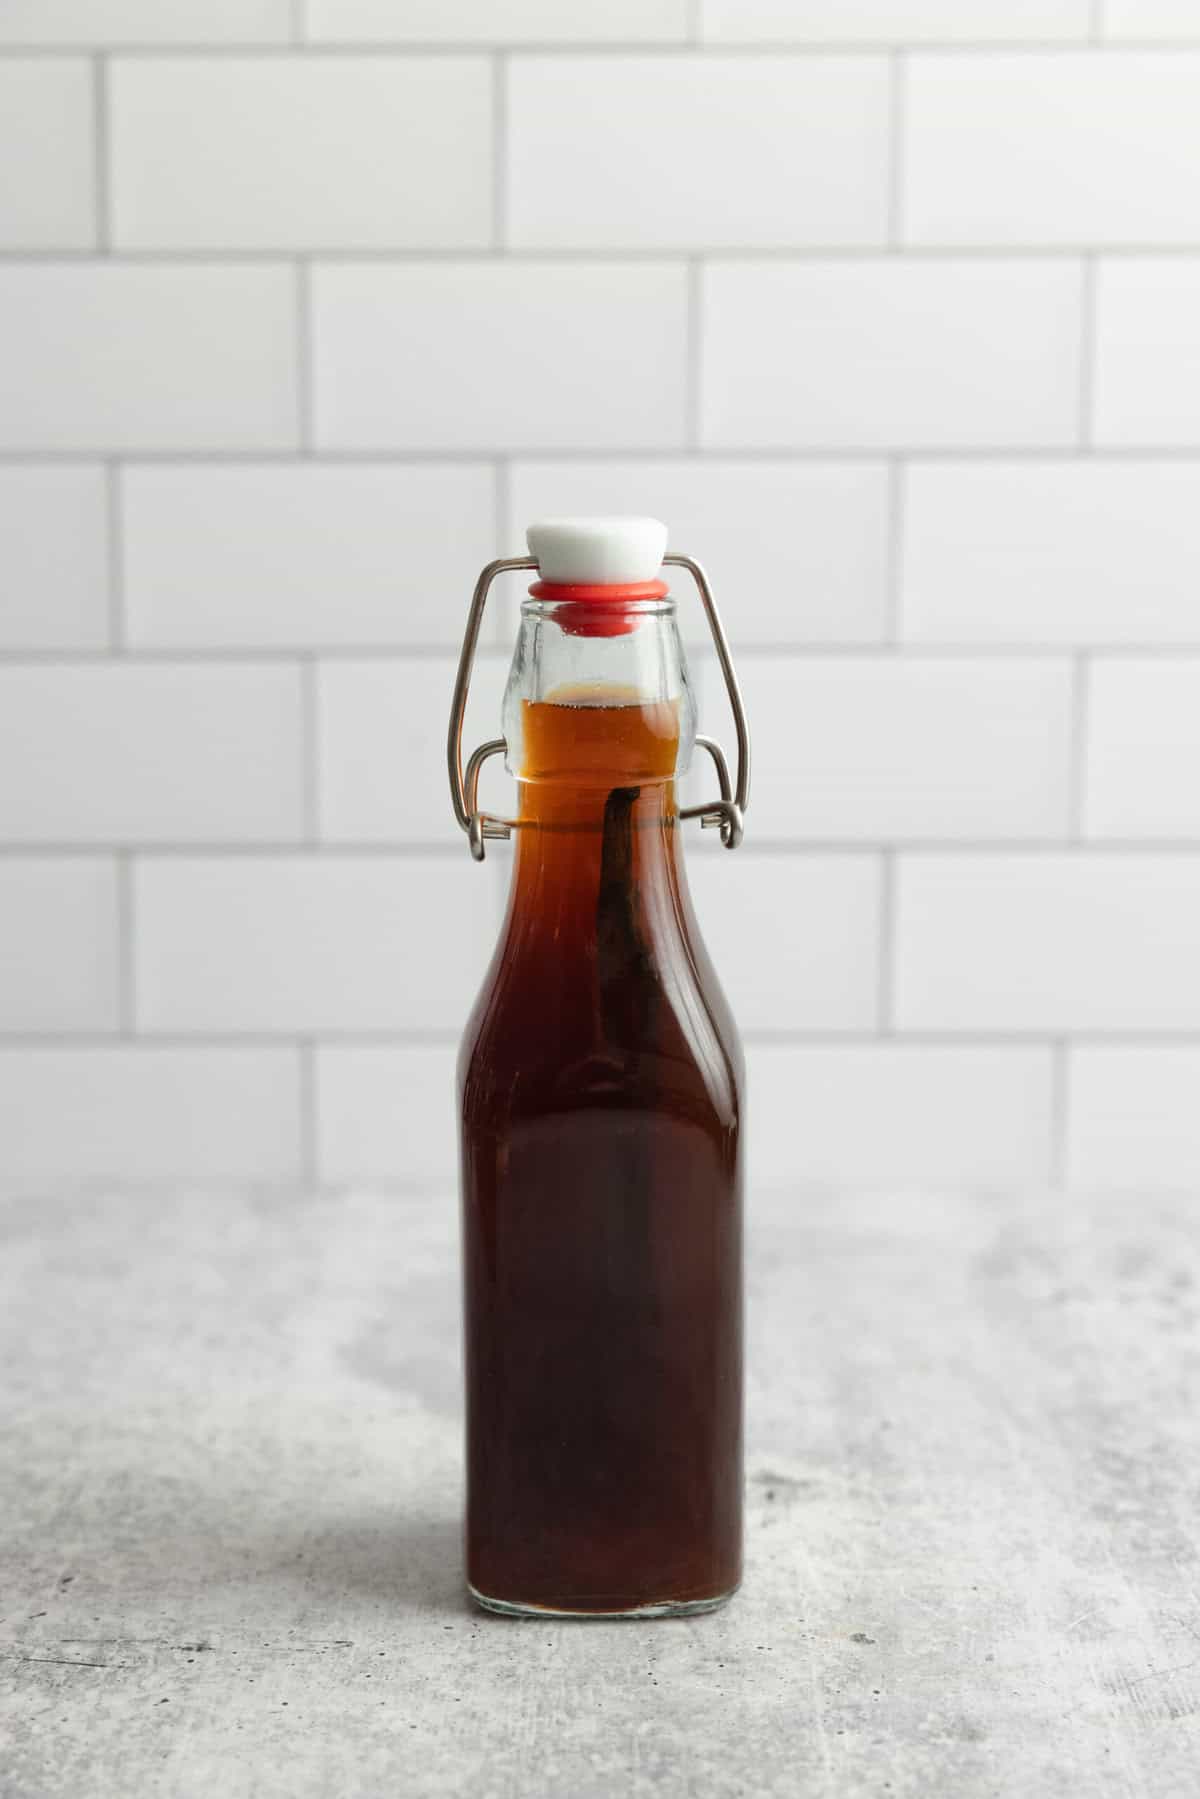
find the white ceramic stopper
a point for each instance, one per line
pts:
(607, 550)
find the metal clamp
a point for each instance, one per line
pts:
(729, 812)
(464, 790)
(726, 813)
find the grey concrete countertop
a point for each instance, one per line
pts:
(230, 1485)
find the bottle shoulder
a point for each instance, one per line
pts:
(549, 1032)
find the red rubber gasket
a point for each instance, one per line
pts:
(597, 609)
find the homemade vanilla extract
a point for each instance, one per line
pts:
(601, 1110)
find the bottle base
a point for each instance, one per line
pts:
(666, 1608)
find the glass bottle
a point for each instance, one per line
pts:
(600, 1082)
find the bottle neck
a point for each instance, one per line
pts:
(573, 829)
(598, 724)
(597, 793)
(549, 810)
(594, 700)
(598, 880)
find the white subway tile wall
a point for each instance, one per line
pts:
(887, 353)
(497, 22)
(386, 1111)
(58, 932)
(889, 749)
(1147, 379)
(117, 356)
(54, 550)
(280, 945)
(1143, 750)
(282, 153)
(301, 555)
(895, 21)
(1075, 552)
(119, 751)
(823, 974)
(890, 307)
(118, 1111)
(1135, 1115)
(382, 776)
(899, 1112)
(1048, 943)
(1103, 154)
(809, 138)
(1152, 19)
(480, 355)
(110, 24)
(46, 124)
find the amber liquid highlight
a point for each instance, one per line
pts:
(600, 1082)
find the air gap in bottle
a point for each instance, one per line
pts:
(601, 1102)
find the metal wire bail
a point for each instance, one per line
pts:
(726, 813)
(729, 812)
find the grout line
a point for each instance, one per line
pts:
(814, 653)
(417, 1190)
(506, 525)
(115, 557)
(894, 598)
(268, 656)
(764, 256)
(394, 49)
(712, 455)
(126, 993)
(694, 23)
(694, 352)
(493, 651)
(1060, 1087)
(310, 752)
(307, 1060)
(1081, 696)
(507, 540)
(499, 150)
(299, 25)
(1092, 849)
(304, 354)
(884, 1004)
(1087, 352)
(1097, 24)
(852, 1038)
(898, 96)
(914, 652)
(434, 849)
(413, 1190)
(101, 138)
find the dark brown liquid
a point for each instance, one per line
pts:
(600, 1082)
